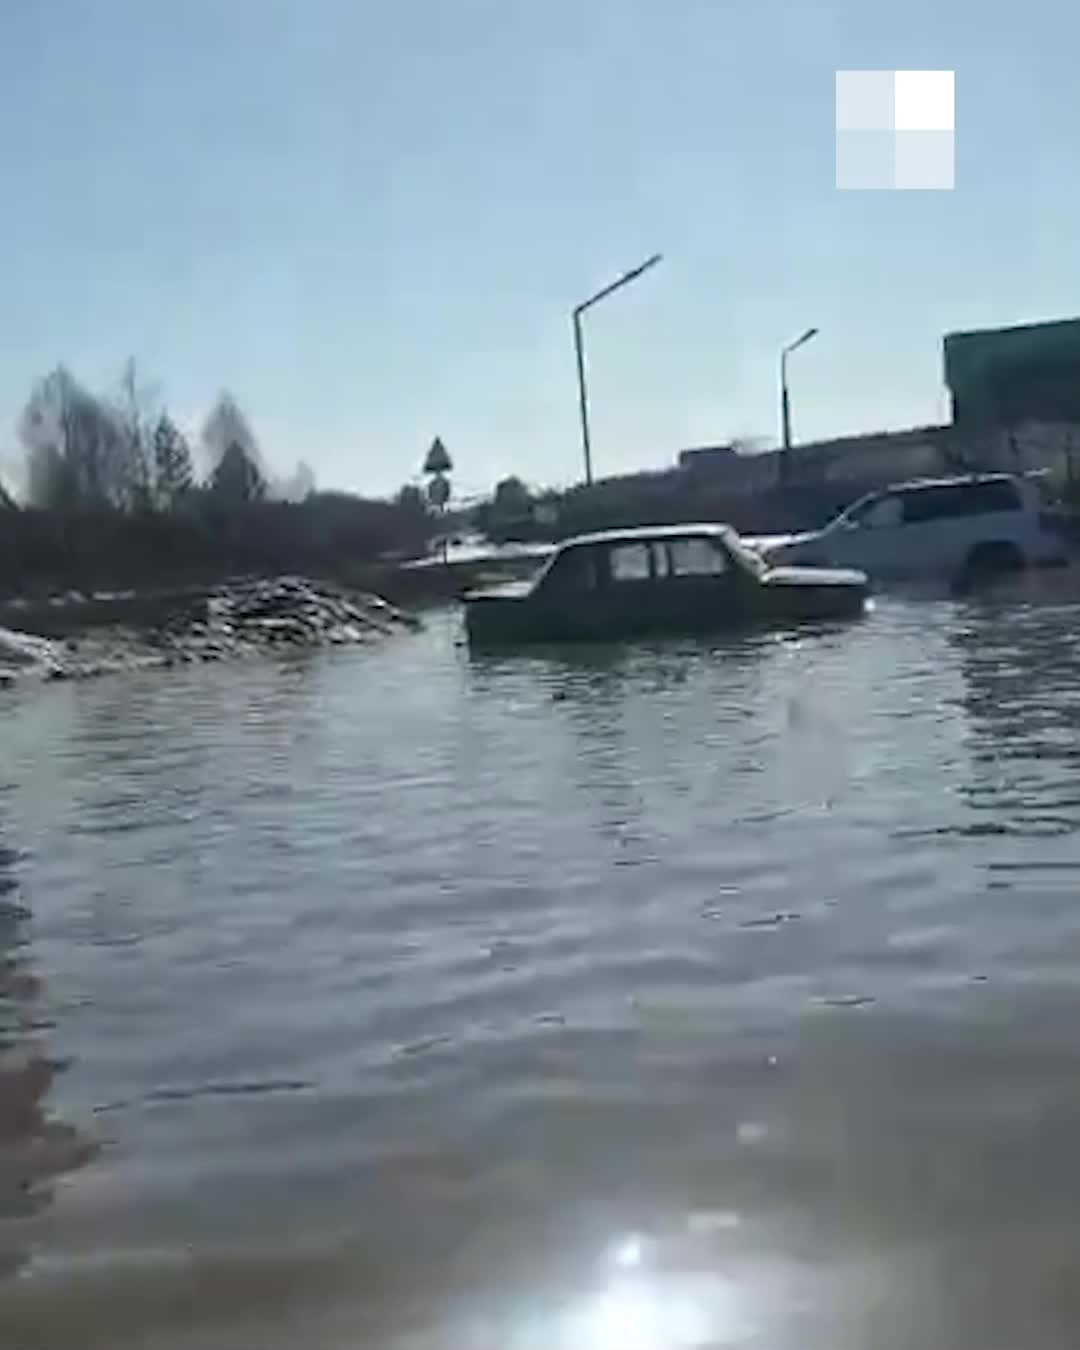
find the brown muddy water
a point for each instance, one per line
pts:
(688, 995)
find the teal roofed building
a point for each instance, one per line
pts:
(1007, 376)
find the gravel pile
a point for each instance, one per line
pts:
(240, 619)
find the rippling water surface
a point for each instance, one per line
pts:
(665, 997)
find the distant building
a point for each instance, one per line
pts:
(1015, 406)
(1002, 377)
(706, 458)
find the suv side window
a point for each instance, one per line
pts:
(1000, 495)
(960, 499)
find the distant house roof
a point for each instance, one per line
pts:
(704, 454)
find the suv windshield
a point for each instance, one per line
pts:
(854, 514)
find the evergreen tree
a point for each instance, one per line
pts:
(173, 471)
(237, 478)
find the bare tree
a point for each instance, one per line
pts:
(61, 464)
(41, 430)
(298, 486)
(410, 499)
(512, 497)
(134, 414)
(80, 453)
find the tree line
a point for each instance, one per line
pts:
(115, 494)
(85, 451)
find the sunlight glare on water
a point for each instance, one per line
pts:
(635, 1306)
(642, 1315)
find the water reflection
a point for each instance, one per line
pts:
(601, 758)
(1021, 691)
(34, 1148)
(639, 729)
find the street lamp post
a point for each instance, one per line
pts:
(785, 399)
(579, 350)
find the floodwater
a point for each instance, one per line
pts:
(687, 995)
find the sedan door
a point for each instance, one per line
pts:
(701, 586)
(570, 598)
(631, 601)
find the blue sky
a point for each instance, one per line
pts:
(369, 220)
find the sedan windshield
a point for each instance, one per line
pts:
(747, 557)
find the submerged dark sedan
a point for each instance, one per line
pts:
(657, 579)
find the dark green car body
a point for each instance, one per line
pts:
(651, 580)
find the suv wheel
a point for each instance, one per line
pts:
(988, 561)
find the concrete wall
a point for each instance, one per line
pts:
(848, 462)
(1031, 445)
(858, 464)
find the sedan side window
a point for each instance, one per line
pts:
(697, 558)
(630, 562)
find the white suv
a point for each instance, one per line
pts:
(960, 528)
